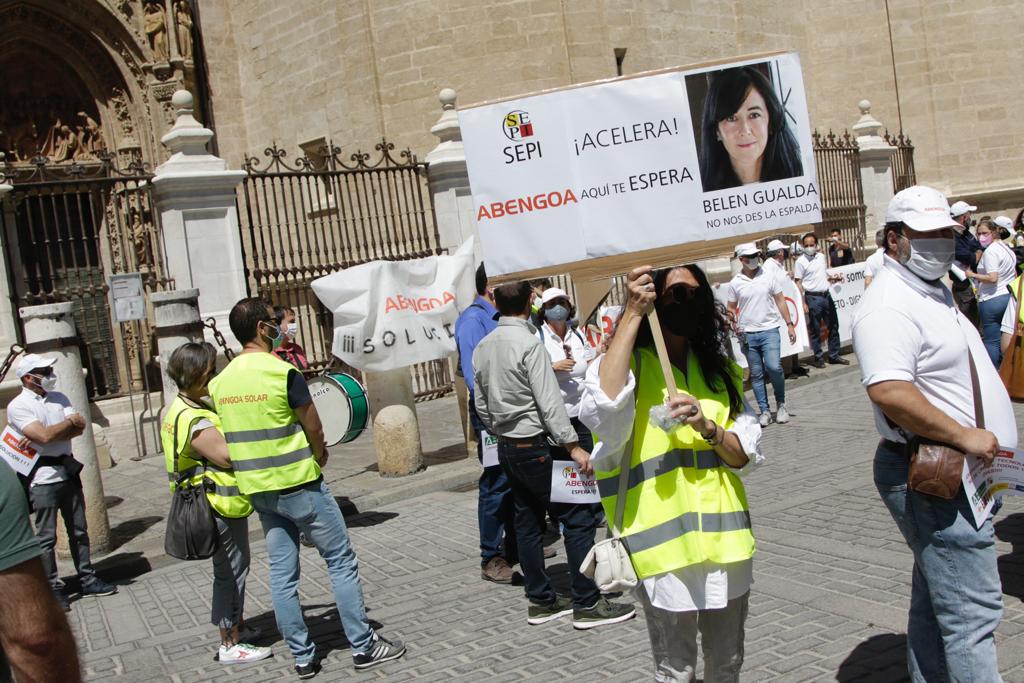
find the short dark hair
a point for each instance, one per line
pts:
(809, 234)
(894, 226)
(543, 282)
(481, 280)
(246, 316)
(281, 311)
(189, 362)
(513, 298)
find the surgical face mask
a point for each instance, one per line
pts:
(292, 329)
(754, 262)
(558, 313)
(809, 252)
(276, 338)
(47, 383)
(929, 257)
(985, 240)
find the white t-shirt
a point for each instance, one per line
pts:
(813, 272)
(909, 330)
(28, 407)
(570, 383)
(754, 297)
(997, 258)
(873, 264)
(1009, 324)
(774, 267)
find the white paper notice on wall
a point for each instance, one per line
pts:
(682, 160)
(569, 485)
(489, 444)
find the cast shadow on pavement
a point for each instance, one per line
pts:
(321, 620)
(1010, 529)
(881, 657)
(129, 529)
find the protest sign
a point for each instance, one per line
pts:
(392, 314)
(21, 460)
(982, 483)
(654, 168)
(847, 295)
(605, 320)
(569, 485)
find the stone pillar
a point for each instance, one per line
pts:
(195, 195)
(177, 322)
(8, 323)
(875, 172)
(396, 432)
(449, 180)
(50, 331)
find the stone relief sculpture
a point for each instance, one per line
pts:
(156, 31)
(183, 19)
(90, 139)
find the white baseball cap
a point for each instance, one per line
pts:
(775, 245)
(1003, 222)
(960, 208)
(32, 361)
(747, 249)
(552, 293)
(921, 208)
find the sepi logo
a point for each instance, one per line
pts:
(517, 125)
(568, 472)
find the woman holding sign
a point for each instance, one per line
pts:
(744, 136)
(685, 523)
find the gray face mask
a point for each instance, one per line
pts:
(754, 263)
(558, 314)
(929, 257)
(810, 251)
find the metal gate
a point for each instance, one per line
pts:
(319, 214)
(65, 228)
(837, 158)
(903, 174)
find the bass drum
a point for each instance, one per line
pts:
(341, 402)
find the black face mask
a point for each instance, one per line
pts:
(679, 319)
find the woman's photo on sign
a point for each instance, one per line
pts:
(746, 135)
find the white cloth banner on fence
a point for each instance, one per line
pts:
(612, 168)
(392, 314)
(847, 295)
(569, 485)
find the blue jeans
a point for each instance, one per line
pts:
(822, 308)
(528, 466)
(313, 511)
(494, 506)
(956, 597)
(991, 312)
(763, 356)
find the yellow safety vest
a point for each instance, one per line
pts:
(684, 505)
(222, 489)
(1013, 295)
(269, 450)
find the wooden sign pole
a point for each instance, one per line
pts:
(659, 344)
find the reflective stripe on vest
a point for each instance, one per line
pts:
(268, 447)
(684, 505)
(221, 487)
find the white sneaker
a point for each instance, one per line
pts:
(242, 652)
(782, 416)
(765, 419)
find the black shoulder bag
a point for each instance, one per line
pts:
(191, 530)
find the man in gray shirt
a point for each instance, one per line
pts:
(518, 400)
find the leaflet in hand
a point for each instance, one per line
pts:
(21, 460)
(983, 482)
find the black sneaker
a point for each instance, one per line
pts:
(381, 650)
(308, 670)
(541, 614)
(602, 614)
(818, 363)
(98, 587)
(62, 602)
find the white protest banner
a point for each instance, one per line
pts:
(569, 485)
(795, 304)
(21, 460)
(847, 295)
(606, 320)
(652, 168)
(489, 444)
(391, 314)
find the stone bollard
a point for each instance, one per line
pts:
(396, 436)
(50, 331)
(177, 323)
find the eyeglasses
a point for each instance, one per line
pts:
(43, 372)
(681, 293)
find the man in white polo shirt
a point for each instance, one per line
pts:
(918, 354)
(812, 277)
(46, 418)
(757, 306)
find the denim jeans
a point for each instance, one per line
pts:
(313, 511)
(956, 597)
(822, 308)
(991, 312)
(763, 357)
(230, 570)
(528, 466)
(494, 509)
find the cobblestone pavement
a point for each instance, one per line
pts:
(829, 601)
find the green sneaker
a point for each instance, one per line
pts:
(541, 614)
(601, 614)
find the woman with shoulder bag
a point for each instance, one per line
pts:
(685, 521)
(196, 453)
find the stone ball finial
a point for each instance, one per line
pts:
(182, 99)
(447, 97)
(865, 106)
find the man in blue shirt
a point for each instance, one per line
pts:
(494, 509)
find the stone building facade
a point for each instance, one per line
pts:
(302, 70)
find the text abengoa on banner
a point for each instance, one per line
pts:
(661, 166)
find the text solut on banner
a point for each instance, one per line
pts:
(665, 166)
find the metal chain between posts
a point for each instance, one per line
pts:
(211, 324)
(14, 352)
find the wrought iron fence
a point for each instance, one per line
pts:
(903, 174)
(837, 158)
(66, 228)
(321, 213)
